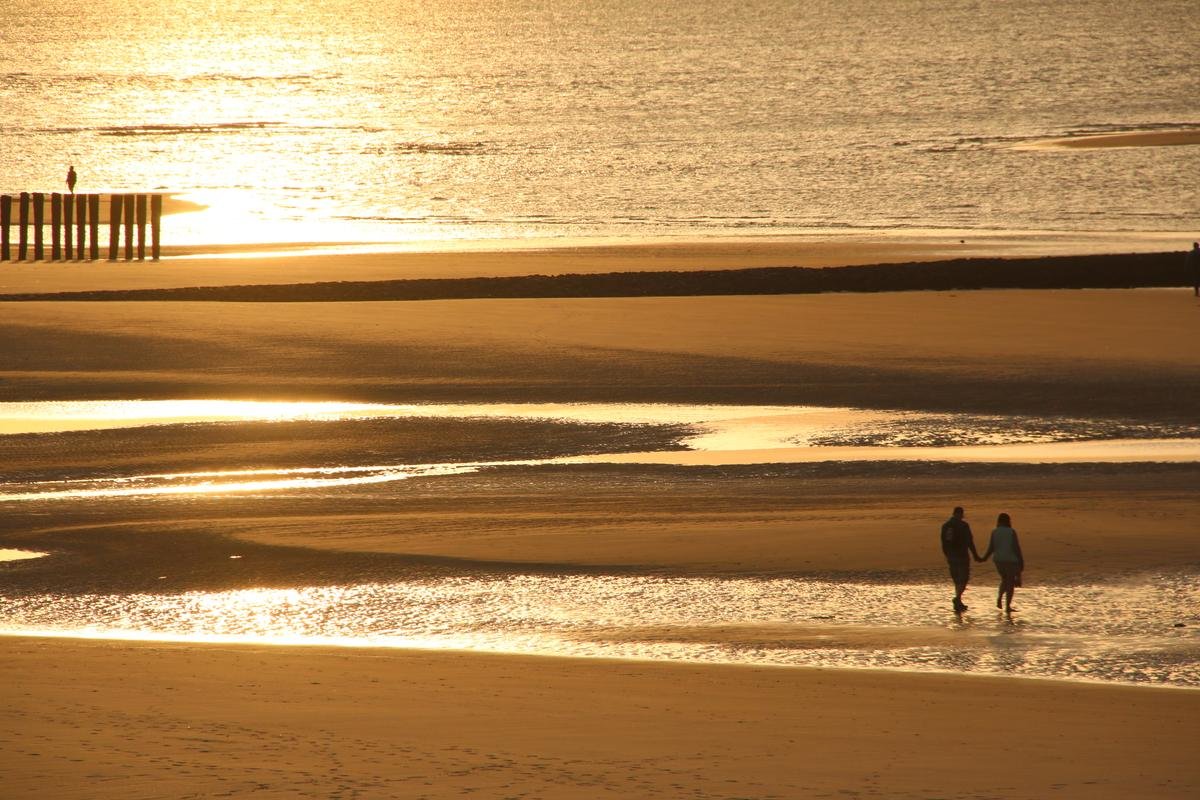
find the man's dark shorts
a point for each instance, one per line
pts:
(960, 570)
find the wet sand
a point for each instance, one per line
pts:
(294, 721)
(1092, 353)
(1078, 523)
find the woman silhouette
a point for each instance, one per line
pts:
(71, 178)
(1010, 563)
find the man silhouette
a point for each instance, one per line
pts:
(71, 178)
(957, 544)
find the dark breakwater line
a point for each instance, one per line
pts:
(1114, 271)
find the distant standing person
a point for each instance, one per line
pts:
(71, 178)
(957, 545)
(1193, 262)
(1010, 563)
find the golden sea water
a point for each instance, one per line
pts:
(448, 121)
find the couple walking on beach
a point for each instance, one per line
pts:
(958, 545)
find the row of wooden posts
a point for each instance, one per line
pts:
(75, 226)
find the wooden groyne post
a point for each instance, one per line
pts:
(5, 221)
(155, 225)
(23, 227)
(55, 226)
(81, 207)
(68, 228)
(115, 204)
(93, 201)
(74, 223)
(128, 212)
(141, 227)
(39, 226)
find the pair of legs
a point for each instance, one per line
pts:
(1008, 584)
(960, 573)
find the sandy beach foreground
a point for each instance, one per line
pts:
(101, 719)
(149, 720)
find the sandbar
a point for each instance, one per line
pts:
(1127, 139)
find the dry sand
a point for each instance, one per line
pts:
(99, 719)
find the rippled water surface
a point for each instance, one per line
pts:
(1140, 630)
(346, 120)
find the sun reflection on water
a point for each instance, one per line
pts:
(8, 554)
(69, 415)
(779, 622)
(230, 482)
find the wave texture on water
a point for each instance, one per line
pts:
(374, 120)
(1144, 629)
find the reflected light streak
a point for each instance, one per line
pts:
(375, 475)
(53, 416)
(18, 555)
(1107, 451)
(764, 621)
(28, 417)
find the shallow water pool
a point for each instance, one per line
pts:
(1144, 629)
(721, 435)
